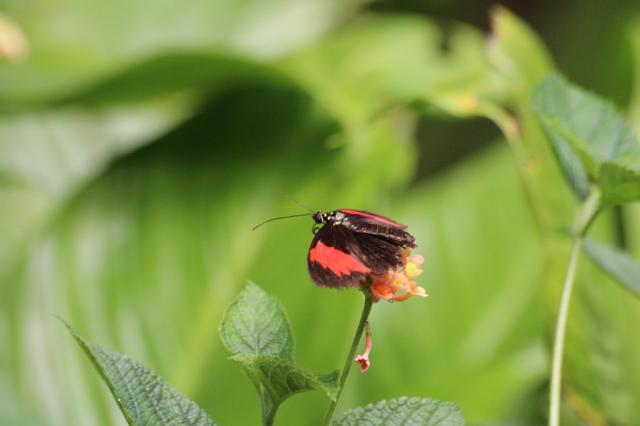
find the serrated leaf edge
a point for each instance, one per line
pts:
(84, 345)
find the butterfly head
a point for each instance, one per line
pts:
(320, 217)
(335, 217)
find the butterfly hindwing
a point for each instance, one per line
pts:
(330, 262)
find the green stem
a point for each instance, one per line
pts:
(268, 410)
(584, 220)
(349, 360)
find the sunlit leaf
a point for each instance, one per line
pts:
(119, 32)
(404, 412)
(143, 397)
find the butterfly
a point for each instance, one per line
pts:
(350, 245)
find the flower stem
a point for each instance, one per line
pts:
(349, 360)
(585, 218)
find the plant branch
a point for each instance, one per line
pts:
(585, 217)
(349, 360)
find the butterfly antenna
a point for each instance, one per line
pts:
(278, 218)
(301, 204)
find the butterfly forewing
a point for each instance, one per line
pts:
(368, 217)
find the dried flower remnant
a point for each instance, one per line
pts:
(363, 359)
(397, 285)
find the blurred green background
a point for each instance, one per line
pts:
(140, 142)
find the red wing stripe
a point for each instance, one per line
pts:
(338, 262)
(373, 216)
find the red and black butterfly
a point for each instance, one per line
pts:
(352, 244)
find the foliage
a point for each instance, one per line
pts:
(591, 138)
(256, 332)
(135, 159)
(142, 397)
(404, 411)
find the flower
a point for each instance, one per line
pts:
(363, 359)
(397, 285)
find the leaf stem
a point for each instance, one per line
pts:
(349, 360)
(586, 216)
(268, 410)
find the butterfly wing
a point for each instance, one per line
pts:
(370, 223)
(340, 257)
(368, 217)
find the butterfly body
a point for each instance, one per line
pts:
(352, 244)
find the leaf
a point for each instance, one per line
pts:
(143, 397)
(591, 138)
(255, 324)
(283, 378)
(256, 331)
(246, 28)
(622, 267)
(194, 72)
(404, 411)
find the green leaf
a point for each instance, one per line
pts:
(591, 138)
(255, 324)
(256, 331)
(281, 378)
(246, 27)
(622, 267)
(143, 397)
(193, 72)
(404, 411)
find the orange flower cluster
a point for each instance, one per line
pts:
(398, 285)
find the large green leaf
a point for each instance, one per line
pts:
(194, 73)
(119, 32)
(404, 412)
(622, 267)
(143, 397)
(590, 138)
